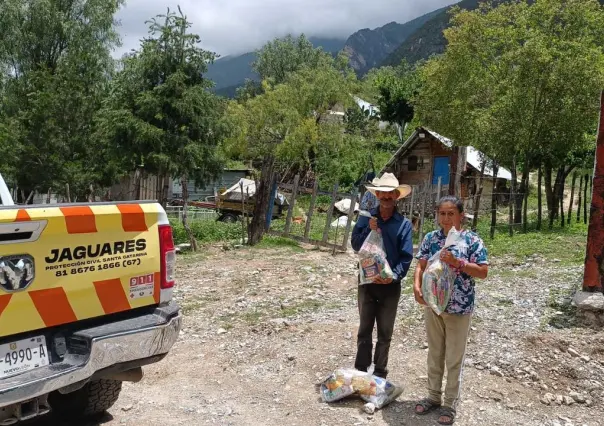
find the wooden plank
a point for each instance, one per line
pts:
(292, 205)
(301, 240)
(349, 220)
(330, 213)
(423, 211)
(413, 189)
(311, 210)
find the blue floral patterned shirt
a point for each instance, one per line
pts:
(463, 295)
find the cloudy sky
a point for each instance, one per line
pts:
(231, 27)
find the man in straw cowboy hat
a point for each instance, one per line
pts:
(378, 302)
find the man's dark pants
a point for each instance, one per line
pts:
(377, 304)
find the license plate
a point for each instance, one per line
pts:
(23, 355)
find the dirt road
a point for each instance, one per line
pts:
(262, 327)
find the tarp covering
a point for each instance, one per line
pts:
(249, 188)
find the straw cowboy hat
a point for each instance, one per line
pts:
(387, 183)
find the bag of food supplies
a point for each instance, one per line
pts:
(439, 277)
(372, 260)
(345, 382)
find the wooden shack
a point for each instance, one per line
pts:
(427, 157)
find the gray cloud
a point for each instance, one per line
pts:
(236, 26)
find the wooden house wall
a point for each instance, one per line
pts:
(427, 149)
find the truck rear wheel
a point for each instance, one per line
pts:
(94, 398)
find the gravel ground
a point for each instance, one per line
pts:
(263, 326)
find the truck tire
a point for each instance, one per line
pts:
(228, 218)
(94, 398)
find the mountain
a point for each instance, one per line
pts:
(368, 48)
(230, 72)
(429, 39)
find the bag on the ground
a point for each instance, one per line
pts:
(372, 260)
(439, 277)
(345, 382)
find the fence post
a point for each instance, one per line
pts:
(334, 194)
(438, 189)
(353, 201)
(412, 202)
(243, 213)
(292, 205)
(423, 211)
(311, 210)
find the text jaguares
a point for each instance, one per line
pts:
(96, 250)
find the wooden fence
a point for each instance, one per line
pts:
(309, 220)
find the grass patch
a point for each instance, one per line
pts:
(564, 244)
(276, 242)
(206, 231)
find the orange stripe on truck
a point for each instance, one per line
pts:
(53, 306)
(22, 216)
(133, 218)
(111, 295)
(4, 299)
(79, 220)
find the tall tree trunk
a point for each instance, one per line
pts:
(513, 191)
(580, 199)
(519, 194)
(585, 199)
(561, 197)
(185, 207)
(494, 201)
(549, 193)
(572, 198)
(525, 205)
(263, 198)
(476, 198)
(137, 184)
(539, 197)
(556, 191)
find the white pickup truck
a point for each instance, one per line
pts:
(85, 302)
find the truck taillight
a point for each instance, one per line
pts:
(168, 256)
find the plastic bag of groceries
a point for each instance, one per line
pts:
(372, 260)
(345, 382)
(439, 277)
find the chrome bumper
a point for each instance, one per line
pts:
(108, 345)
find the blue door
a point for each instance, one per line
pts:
(441, 169)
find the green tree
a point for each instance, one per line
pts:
(520, 82)
(283, 56)
(55, 62)
(161, 117)
(396, 88)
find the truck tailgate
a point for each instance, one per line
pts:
(67, 263)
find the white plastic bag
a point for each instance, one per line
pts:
(372, 260)
(439, 277)
(345, 382)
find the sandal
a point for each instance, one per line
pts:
(447, 412)
(428, 405)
